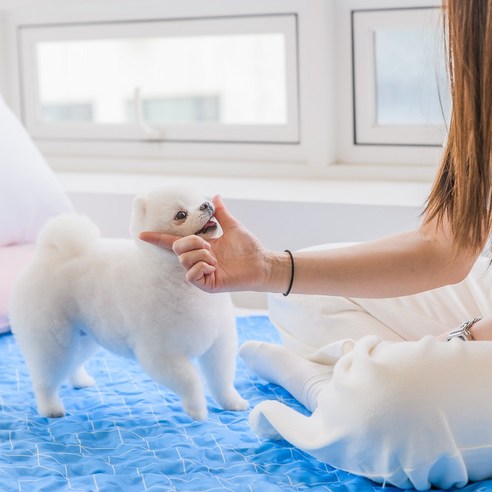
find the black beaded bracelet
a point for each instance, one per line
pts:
(291, 273)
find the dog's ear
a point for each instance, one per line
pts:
(139, 207)
(139, 210)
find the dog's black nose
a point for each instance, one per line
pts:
(206, 206)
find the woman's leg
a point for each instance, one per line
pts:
(311, 326)
(307, 323)
(302, 378)
(404, 414)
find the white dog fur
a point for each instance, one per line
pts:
(81, 291)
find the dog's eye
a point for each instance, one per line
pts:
(181, 215)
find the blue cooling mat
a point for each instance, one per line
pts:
(128, 434)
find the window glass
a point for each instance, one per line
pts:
(401, 91)
(411, 82)
(226, 79)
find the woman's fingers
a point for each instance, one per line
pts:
(178, 244)
(190, 258)
(199, 274)
(190, 243)
(162, 240)
(226, 220)
(194, 252)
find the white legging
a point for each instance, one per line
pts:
(394, 404)
(307, 323)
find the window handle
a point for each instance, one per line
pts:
(151, 133)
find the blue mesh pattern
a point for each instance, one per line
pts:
(127, 433)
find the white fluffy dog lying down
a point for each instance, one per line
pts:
(81, 291)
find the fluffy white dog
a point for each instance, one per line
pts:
(81, 291)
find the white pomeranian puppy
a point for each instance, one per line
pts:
(81, 292)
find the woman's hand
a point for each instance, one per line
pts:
(234, 261)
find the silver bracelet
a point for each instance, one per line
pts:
(463, 331)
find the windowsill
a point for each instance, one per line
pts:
(294, 190)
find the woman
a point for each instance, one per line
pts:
(414, 413)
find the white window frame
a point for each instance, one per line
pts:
(30, 36)
(326, 145)
(389, 161)
(366, 129)
(309, 157)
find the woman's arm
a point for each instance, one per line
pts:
(397, 265)
(482, 330)
(479, 331)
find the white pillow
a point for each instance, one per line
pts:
(12, 260)
(29, 191)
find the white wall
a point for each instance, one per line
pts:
(278, 224)
(3, 54)
(283, 214)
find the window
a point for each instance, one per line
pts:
(400, 83)
(343, 88)
(68, 111)
(228, 79)
(184, 109)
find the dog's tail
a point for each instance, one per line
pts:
(69, 234)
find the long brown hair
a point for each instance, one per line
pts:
(462, 189)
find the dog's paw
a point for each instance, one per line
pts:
(81, 379)
(51, 409)
(233, 401)
(238, 405)
(196, 409)
(196, 413)
(53, 414)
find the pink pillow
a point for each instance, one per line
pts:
(30, 194)
(12, 261)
